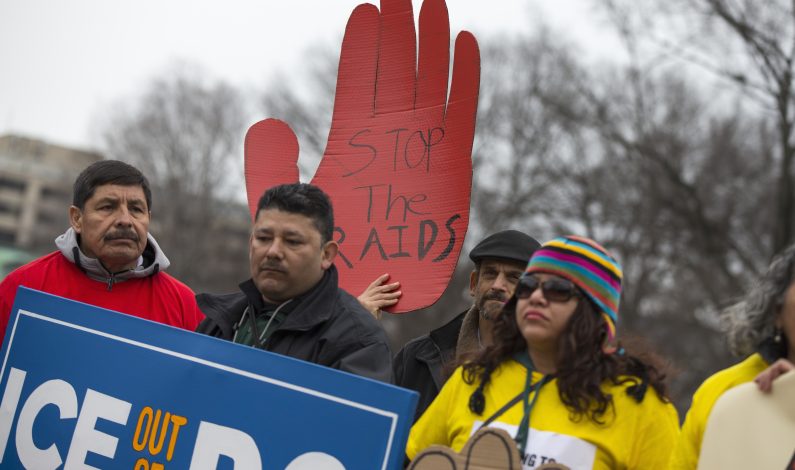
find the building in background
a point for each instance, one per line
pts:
(35, 191)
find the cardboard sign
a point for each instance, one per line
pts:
(750, 429)
(487, 449)
(82, 385)
(397, 164)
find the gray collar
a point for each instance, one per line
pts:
(152, 261)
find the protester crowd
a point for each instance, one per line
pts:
(538, 353)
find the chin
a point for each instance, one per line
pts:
(532, 335)
(274, 297)
(120, 259)
(262, 285)
(492, 313)
(272, 290)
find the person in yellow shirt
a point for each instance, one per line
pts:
(759, 327)
(556, 378)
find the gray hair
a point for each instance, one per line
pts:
(751, 321)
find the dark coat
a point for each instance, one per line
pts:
(423, 362)
(326, 326)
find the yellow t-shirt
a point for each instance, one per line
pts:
(634, 435)
(688, 447)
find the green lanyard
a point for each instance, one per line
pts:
(524, 427)
(523, 357)
(247, 332)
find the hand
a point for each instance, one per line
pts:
(397, 164)
(378, 295)
(765, 378)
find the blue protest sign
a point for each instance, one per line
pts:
(85, 387)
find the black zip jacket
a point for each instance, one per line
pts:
(421, 364)
(325, 326)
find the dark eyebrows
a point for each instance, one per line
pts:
(283, 233)
(136, 202)
(106, 200)
(294, 234)
(115, 201)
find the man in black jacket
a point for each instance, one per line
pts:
(292, 304)
(424, 363)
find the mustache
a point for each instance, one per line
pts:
(272, 265)
(498, 296)
(122, 234)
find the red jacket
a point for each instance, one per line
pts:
(158, 297)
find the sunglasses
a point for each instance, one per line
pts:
(554, 290)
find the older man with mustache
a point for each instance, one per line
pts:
(107, 257)
(425, 362)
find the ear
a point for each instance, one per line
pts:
(473, 282)
(330, 250)
(76, 218)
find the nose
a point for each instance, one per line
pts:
(124, 217)
(537, 296)
(274, 249)
(501, 284)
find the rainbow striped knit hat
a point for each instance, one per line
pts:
(590, 267)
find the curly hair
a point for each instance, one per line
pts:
(582, 365)
(750, 323)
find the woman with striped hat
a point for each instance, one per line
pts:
(556, 378)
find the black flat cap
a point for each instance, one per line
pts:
(508, 244)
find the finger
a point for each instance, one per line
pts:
(434, 60)
(388, 287)
(387, 295)
(761, 383)
(271, 158)
(387, 303)
(379, 280)
(785, 366)
(780, 367)
(397, 58)
(355, 95)
(766, 384)
(394, 295)
(462, 105)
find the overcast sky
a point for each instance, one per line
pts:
(62, 62)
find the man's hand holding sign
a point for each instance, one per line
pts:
(397, 164)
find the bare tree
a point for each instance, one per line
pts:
(184, 133)
(701, 117)
(675, 203)
(519, 150)
(306, 105)
(748, 48)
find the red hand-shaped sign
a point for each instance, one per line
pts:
(397, 165)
